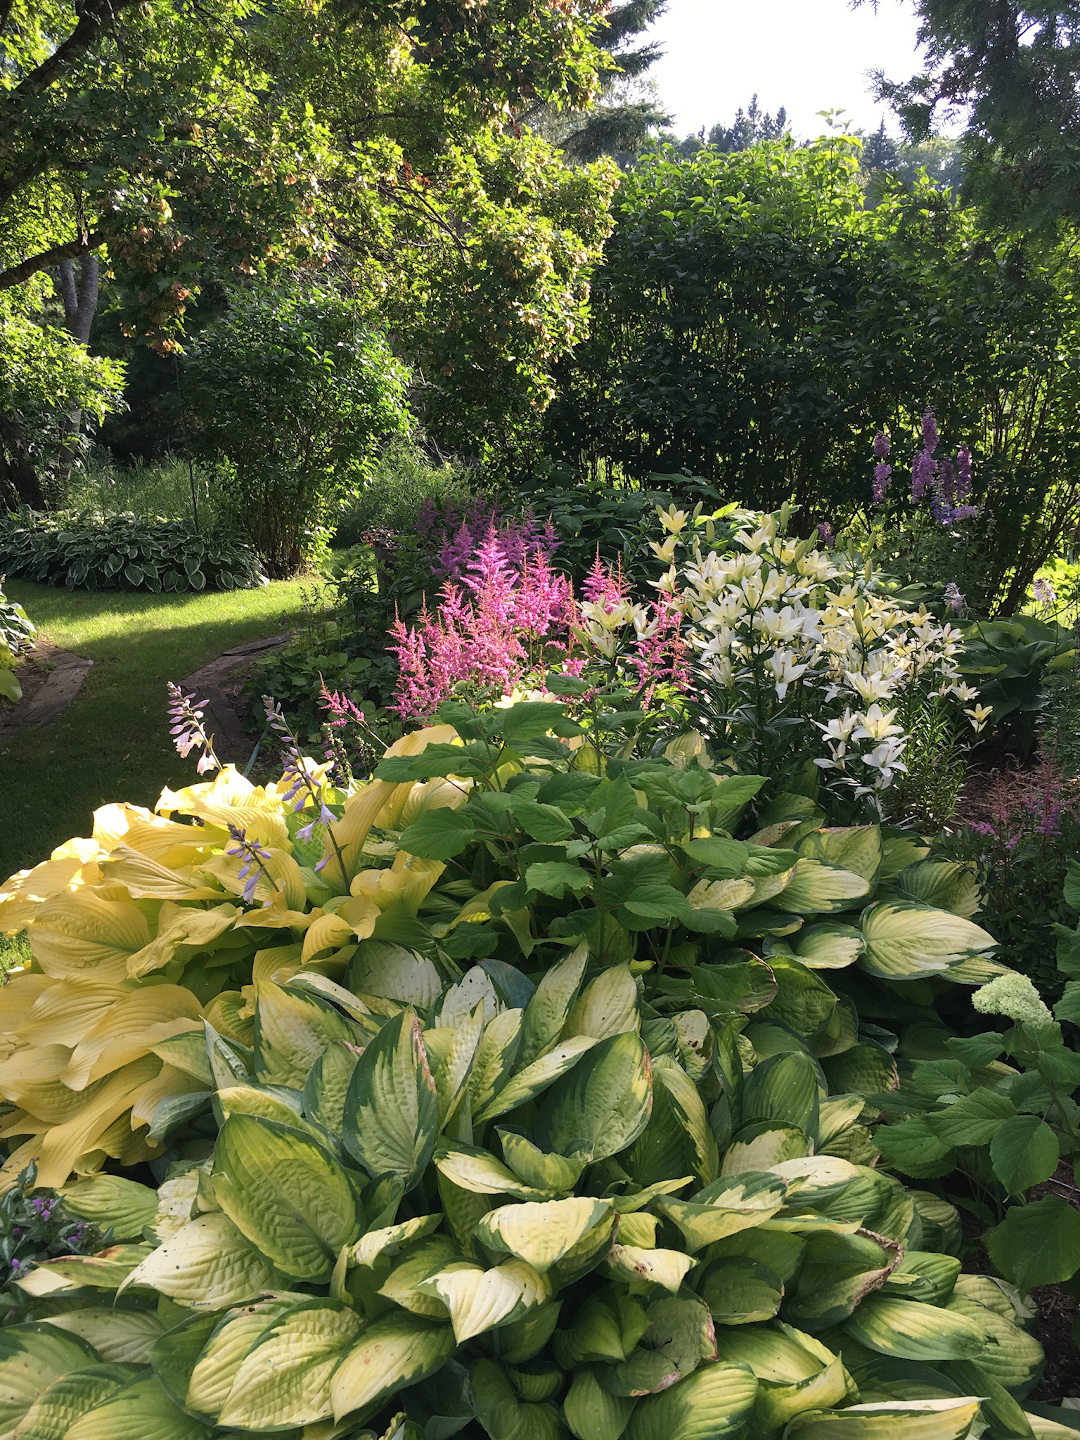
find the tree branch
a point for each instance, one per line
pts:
(96, 17)
(69, 250)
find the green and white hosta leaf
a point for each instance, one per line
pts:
(740, 1291)
(479, 1299)
(593, 1414)
(637, 1266)
(119, 1336)
(821, 889)
(291, 1032)
(452, 1074)
(905, 940)
(207, 1264)
(405, 1283)
(111, 1200)
(268, 1102)
(541, 1232)
(496, 1057)
(217, 1362)
(32, 1357)
(898, 1420)
(1011, 1356)
(836, 1114)
(391, 1109)
(285, 1378)
(392, 1351)
(713, 1402)
(729, 1205)
(328, 1084)
(389, 1238)
(607, 1006)
(914, 1331)
(603, 1105)
(52, 1415)
(289, 1197)
(829, 946)
(104, 1271)
(138, 1412)
(947, 885)
(471, 1168)
(689, 1109)
(395, 973)
(761, 1145)
(837, 1272)
(537, 1168)
(527, 1083)
(545, 1015)
(857, 848)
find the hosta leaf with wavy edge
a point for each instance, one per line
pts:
(118, 1336)
(607, 1006)
(899, 1420)
(31, 1358)
(912, 1330)
(215, 1362)
(388, 1239)
(285, 1378)
(821, 889)
(604, 1103)
(541, 1232)
(479, 1299)
(138, 1412)
(293, 1202)
(207, 1264)
(637, 1266)
(503, 1414)
(406, 1281)
(55, 1411)
(471, 1168)
(538, 1168)
(121, 1204)
(905, 940)
(712, 1402)
(527, 1083)
(731, 1204)
(837, 1272)
(392, 1351)
(391, 1109)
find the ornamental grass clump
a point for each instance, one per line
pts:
(525, 1095)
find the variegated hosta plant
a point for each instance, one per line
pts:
(522, 1211)
(501, 837)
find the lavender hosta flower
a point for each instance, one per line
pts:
(953, 598)
(1044, 592)
(253, 856)
(187, 728)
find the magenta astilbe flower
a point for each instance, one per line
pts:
(605, 584)
(340, 710)
(187, 728)
(660, 653)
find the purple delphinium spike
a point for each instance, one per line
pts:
(187, 728)
(930, 432)
(922, 474)
(882, 475)
(953, 598)
(882, 445)
(826, 534)
(253, 856)
(964, 475)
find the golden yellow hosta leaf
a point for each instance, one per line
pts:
(178, 929)
(130, 1028)
(21, 896)
(61, 1147)
(230, 799)
(32, 1079)
(147, 879)
(170, 1082)
(63, 1010)
(165, 841)
(82, 934)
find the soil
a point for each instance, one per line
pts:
(228, 714)
(51, 678)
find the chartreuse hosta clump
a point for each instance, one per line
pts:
(523, 1211)
(503, 838)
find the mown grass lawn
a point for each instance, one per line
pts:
(113, 743)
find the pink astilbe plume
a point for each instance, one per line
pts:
(660, 655)
(605, 584)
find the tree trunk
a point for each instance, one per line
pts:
(19, 483)
(80, 305)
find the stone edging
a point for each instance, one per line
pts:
(50, 699)
(231, 741)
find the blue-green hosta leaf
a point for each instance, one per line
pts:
(391, 1352)
(207, 1264)
(714, 1401)
(601, 1106)
(1024, 1152)
(542, 1232)
(140, 1410)
(294, 1203)
(912, 1330)
(391, 1109)
(52, 1415)
(905, 940)
(285, 1377)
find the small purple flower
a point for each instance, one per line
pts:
(253, 855)
(964, 474)
(953, 598)
(882, 475)
(825, 532)
(17, 1267)
(981, 827)
(922, 474)
(1044, 592)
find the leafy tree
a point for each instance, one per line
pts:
(193, 143)
(1013, 67)
(294, 391)
(755, 324)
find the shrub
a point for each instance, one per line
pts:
(16, 634)
(295, 392)
(123, 552)
(402, 487)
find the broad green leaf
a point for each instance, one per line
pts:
(208, 1265)
(1024, 1152)
(528, 1082)
(215, 1363)
(557, 878)
(912, 1330)
(541, 1232)
(438, 834)
(603, 1104)
(679, 1335)
(761, 1145)
(32, 1357)
(534, 1167)
(1012, 1357)
(725, 1207)
(740, 1291)
(973, 1119)
(125, 1207)
(1037, 1244)
(545, 1015)
(141, 1411)
(688, 1108)
(837, 1273)
(593, 1414)
(405, 1283)
(294, 1203)
(714, 1401)
(479, 1299)
(865, 1069)
(52, 1415)
(905, 940)
(895, 1420)
(395, 1350)
(785, 1089)
(503, 1414)
(285, 1379)
(327, 1085)
(607, 1006)
(391, 1109)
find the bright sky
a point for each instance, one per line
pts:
(809, 55)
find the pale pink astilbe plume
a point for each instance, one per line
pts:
(544, 602)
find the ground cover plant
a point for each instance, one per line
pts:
(124, 552)
(649, 998)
